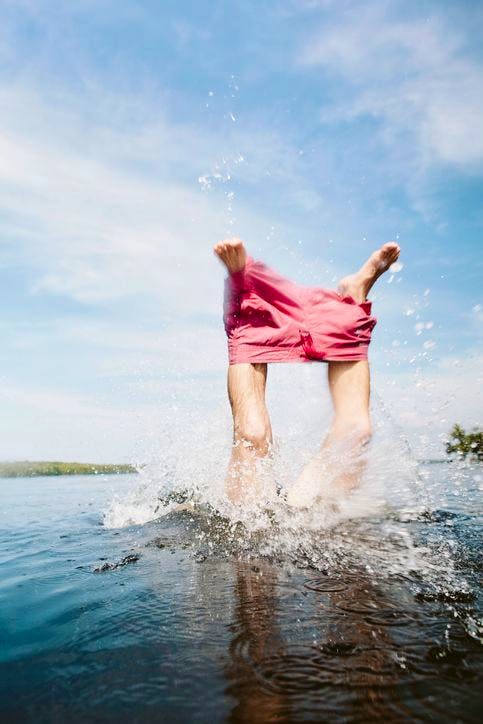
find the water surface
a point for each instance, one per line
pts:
(191, 617)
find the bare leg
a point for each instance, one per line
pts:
(349, 385)
(349, 382)
(246, 480)
(339, 463)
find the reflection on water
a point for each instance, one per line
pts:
(344, 648)
(256, 640)
(193, 617)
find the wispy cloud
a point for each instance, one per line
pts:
(416, 80)
(96, 231)
(107, 211)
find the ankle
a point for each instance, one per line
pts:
(354, 286)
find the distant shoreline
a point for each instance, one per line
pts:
(33, 469)
(36, 469)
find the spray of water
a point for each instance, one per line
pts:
(191, 462)
(377, 528)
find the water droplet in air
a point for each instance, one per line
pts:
(204, 182)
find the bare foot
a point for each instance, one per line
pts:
(232, 253)
(358, 285)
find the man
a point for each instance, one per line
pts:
(270, 319)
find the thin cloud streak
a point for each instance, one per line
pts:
(415, 77)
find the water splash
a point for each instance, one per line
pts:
(190, 467)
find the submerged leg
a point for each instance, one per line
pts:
(246, 479)
(340, 462)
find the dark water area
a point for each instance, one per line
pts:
(190, 618)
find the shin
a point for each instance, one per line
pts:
(340, 461)
(252, 434)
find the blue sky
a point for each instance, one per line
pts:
(134, 135)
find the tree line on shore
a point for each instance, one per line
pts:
(29, 468)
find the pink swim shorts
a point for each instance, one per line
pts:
(269, 318)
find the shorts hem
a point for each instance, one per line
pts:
(267, 356)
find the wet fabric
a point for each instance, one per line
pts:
(269, 318)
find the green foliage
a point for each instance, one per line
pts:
(466, 444)
(28, 468)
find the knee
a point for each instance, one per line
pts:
(256, 436)
(356, 434)
(363, 432)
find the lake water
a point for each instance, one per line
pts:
(191, 617)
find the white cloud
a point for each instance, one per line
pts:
(94, 231)
(414, 76)
(107, 210)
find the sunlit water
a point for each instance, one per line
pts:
(198, 616)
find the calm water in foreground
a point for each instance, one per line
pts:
(373, 619)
